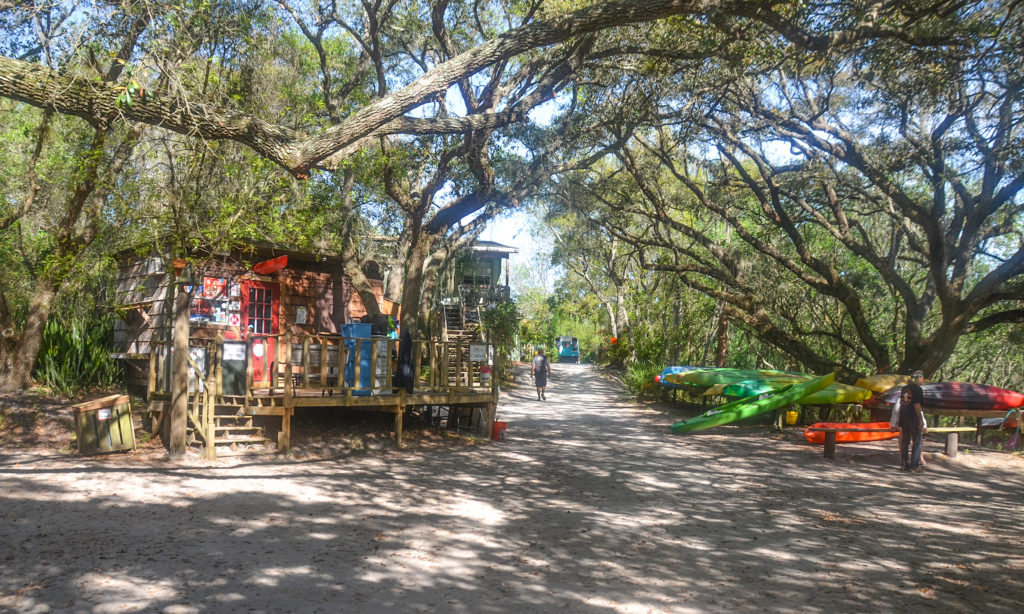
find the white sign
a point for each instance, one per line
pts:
(478, 352)
(234, 320)
(300, 314)
(234, 351)
(103, 414)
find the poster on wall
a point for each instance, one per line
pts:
(211, 303)
(215, 287)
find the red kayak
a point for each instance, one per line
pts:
(818, 437)
(959, 395)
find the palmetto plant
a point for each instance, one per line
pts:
(76, 355)
(639, 377)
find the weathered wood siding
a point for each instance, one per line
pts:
(319, 292)
(142, 293)
(356, 309)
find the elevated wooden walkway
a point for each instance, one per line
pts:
(227, 391)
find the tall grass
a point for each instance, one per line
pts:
(75, 355)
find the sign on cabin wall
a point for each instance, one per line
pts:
(479, 352)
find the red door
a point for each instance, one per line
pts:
(260, 308)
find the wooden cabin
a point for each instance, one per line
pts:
(274, 329)
(258, 288)
(476, 278)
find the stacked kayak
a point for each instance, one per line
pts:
(664, 380)
(836, 394)
(713, 380)
(818, 437)
(761, 385)
(830, 395)
(959, 395)
(723, 375)
(882, 381)
(752, 406)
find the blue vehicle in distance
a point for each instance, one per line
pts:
(568, 348)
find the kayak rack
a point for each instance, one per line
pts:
(952, 436)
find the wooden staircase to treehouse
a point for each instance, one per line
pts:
(461, 326)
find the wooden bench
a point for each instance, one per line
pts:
(952, 436)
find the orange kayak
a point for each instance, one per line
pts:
(818, 437)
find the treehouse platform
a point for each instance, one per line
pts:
(242, 394)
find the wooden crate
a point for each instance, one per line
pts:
(105, 425)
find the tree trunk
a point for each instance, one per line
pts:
(722, 349)
(419, 249)
(176, 443)
(361, 284)
(17, 374)
(612, 320)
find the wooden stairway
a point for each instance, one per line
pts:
(459, 333)
(234, 432)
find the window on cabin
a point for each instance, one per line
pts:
(477, 273)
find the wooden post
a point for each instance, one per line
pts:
(151, 384)
(249, 373)
(288, 382)
(389, 351)
(217, 366)
(398, 424)
(179, 399)
(952, 444)
(323, 362)
(284, 438)
(212, 386)
(373, 364)
(830, 444)
(357, 367)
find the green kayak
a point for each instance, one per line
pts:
(751, 406)
(761, 385)
(724, 375)
(836, 394)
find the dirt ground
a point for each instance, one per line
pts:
(590, 505)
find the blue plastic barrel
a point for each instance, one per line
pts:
(352, 332)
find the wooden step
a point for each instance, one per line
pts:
(246, 452)
(247, 440)
(237, 428)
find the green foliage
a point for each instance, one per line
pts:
(76, 355)
(639, 376)
(502, 322)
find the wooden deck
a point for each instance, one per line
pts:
(321, 371)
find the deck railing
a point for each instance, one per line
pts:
(325, 364)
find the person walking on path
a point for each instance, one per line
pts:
(540, 369)
(911, 422)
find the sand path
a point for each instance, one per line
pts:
(589, 506)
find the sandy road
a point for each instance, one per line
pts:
(589, 506)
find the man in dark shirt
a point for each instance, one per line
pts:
(912, 424)
(540, 369)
